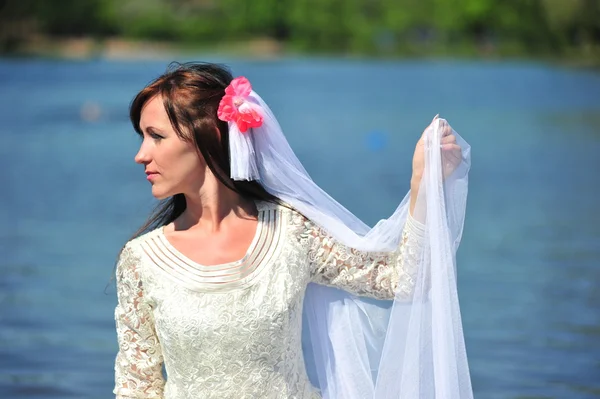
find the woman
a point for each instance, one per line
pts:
(213, 285)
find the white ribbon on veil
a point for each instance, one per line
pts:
(362, 348)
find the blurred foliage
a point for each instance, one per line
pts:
(386, 27)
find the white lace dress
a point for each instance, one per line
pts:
(234, 330)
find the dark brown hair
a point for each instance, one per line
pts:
(191, 93)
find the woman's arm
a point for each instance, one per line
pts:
(138, 365)
(381, 275)
(378, 274)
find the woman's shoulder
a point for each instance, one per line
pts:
(133, 246)
(143, 238)
(131, 258)
(283, 208)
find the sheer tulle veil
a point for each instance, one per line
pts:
(360, 348)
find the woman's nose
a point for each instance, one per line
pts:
(142, 156)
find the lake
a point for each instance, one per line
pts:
(528, 266)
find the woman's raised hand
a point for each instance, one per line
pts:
(450, 151)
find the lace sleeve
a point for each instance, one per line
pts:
(380, 275)
(138, 365)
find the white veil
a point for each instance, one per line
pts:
(363, 349)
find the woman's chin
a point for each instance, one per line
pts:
(159, 194)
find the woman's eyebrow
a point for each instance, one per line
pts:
(151, 129)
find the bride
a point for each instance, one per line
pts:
(214, 287)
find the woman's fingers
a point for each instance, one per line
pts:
(448, 139)
(452, 151)
(445, 128)
(451, 158)
(451, 147)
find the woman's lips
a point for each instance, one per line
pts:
(151, 175)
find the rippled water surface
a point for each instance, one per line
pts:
(529, 264)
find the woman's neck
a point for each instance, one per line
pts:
(214, 205)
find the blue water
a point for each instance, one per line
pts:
(70, 196)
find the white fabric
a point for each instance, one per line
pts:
(233, 331)
(414, 350)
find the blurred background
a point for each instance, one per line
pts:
(353, 83)
(565, 30)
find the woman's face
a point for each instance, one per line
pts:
(173, 166)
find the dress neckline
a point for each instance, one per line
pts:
(257, 235)
(219, 277)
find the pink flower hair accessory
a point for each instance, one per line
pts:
(236, 107)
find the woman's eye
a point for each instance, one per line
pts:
(156, 136)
